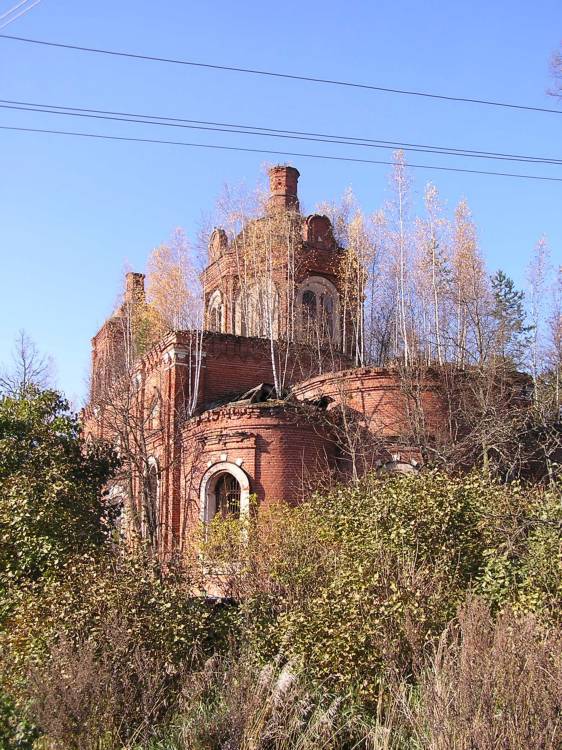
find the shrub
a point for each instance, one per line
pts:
(16, 732)
(340, 600)
(233, 703)
(50, 488)
(105, 644)
(354, 583)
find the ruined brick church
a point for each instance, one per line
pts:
(255, 406)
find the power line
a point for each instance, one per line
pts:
(270, 151)
(278, 130)
(222, 127)
(13, 9)
(275, 74)
(22, 12)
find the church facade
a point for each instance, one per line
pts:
(267, 401)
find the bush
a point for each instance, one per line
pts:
(51, 503)
(234, 703)
(16, 732)
(340, 603)
(354, 584)
(106, 644)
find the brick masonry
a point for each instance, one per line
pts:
(276, 450)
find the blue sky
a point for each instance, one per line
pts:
(73, 212)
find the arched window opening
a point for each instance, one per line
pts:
(152, 484)
(227, 497)
(317, 305)
(215, 312)
(224, 490)
(309, 315)
(257, 311)
(116, 507)
(215, 320)
(150, 513)
(308, 305)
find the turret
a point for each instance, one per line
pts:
(283, 183)
(134, 288)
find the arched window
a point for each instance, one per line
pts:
(318, 307)
(308, 305)
(215, 319)
(318, 231)
(257, 311)
(116, 502)
(227, 497)
(224, 490)
(152, 483)
(328, 315)
(215, 312)
(308, 316)
(149, 516)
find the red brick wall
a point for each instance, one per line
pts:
(387, 401)
(314, 252)
(282, 453)
(234, 364)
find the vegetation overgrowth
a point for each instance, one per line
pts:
(397, 612)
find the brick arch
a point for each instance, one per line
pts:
(208, 484)
(318, 231)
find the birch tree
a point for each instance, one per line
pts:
(355, 234)
(264, 246)
(173, 286)
(131, 413)
(554, 350)
(470, 290)
(175, 296)
(399, 247)
(433, 266)
(537, 273)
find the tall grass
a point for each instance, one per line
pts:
(491, 685)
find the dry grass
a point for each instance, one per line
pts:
(234, 705)
(492, 685)
(488, 685)
(89, 698)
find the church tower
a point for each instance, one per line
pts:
(281, 276)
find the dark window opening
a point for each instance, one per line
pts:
(227, 497)
(153, 485)
(215, 320)
(309, 305)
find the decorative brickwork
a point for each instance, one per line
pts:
(281, 453)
